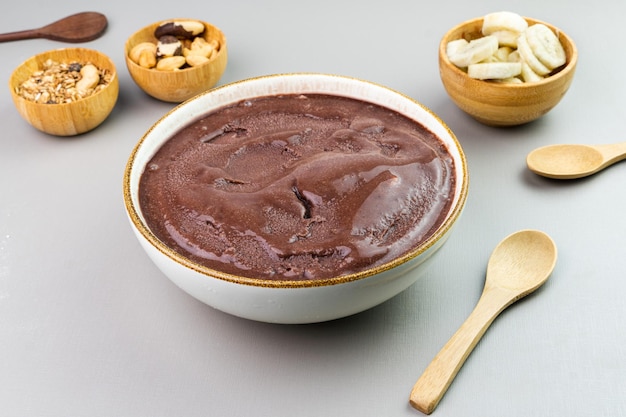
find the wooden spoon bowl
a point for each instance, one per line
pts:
(179, 85)
(498, 104)
(66, 119)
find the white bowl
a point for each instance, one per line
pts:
(290, 301)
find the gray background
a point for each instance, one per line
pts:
(90, 327)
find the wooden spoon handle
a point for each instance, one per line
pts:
(434, 382)
(613, 152)
(20, 35)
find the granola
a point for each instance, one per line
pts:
(56, 83)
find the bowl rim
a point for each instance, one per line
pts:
(569, 66)
(141, 228)
(36, 57)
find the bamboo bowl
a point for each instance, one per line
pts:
(497, 104)
(179, 85)
(66, 119)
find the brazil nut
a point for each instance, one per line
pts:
(182, 29)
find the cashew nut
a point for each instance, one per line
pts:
(170, 63)
(144, 54)
(195, 60)
(199, 46)
(215, 44)
(147, 59)
(90, 78)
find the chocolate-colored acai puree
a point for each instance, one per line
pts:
(297, 187)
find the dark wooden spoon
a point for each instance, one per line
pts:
(80, 27)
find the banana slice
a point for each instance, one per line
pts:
(528, 75)
(502, 54)
(454, 47)
(510, 50)
(474, 51)
(529, 57)
(512, 80)
(545, 45)
(492, 58)
(514, 57)
(499, 21)
(506, 37)
(494, 70)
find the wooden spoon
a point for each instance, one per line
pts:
(80, 27)
(574, 161)
(520, 264)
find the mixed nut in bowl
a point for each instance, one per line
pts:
(173, 60)
(295, 198)
(498, 82)
(65, 92)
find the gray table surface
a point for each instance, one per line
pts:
(90, 327)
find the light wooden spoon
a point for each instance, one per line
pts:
(79, 27)
(519, 265)
(574, 161)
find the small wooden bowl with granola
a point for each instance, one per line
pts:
(176, 59)
(65, 92)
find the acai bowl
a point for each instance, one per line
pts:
(299, 207)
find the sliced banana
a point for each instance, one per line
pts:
(453, 47)
(510, 50)
(512, 80)
(528, 75)
(506, 37)
(529, 57)
(494, 70)
(474, 51)
(490, 59)
(499, 21)
(514, 57)
(545, 45)
(502, 54)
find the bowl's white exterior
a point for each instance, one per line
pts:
(292, 305)
(289, 302)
